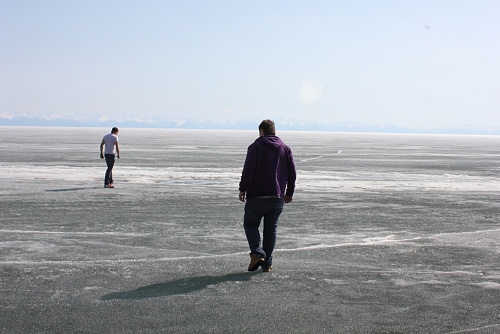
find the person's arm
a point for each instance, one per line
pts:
(292, 176)
(101, 146)
(117, 150)
(247, 173)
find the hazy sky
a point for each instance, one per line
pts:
(417, 64)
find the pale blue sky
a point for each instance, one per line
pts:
(415, 64)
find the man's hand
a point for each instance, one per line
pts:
(288, 199)
(242, 196)
(102, 156)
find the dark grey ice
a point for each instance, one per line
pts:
(387, 233)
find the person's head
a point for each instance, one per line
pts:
(266, 128)
(114, 130)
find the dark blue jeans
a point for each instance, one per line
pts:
(255, 209)
(110, 162)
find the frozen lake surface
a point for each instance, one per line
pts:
(386, 234)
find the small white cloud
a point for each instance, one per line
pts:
(50, 117)
(179, 121)
(6, 115)
(310, 91)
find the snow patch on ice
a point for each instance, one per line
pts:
(488, 285)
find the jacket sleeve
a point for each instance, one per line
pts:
(248, 168)
(292, 176)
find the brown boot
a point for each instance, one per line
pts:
(255, 261)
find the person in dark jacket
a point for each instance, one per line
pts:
(267, 182)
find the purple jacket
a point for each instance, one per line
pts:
(269, 169)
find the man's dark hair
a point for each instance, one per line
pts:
(268, 127)
(114, 130)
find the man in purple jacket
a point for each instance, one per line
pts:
(267, 182)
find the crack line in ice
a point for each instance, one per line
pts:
(468, 330)
(309, 159)
(76, 233)
(348, 244)
(165, 259)
(465, 233)
(208, 256)
(318, 157)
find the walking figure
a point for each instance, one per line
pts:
(267, 183)
(109, 143)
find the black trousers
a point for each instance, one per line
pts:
(110, 162)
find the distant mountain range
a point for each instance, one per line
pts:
(174, 124)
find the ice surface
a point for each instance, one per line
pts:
(386, 234)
